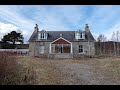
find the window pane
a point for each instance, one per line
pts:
(80, 48)
(56, 48)
(41, 35)
(66, 48)
(80, 35)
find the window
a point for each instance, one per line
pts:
(41, 49)
(81, 49)
(42, 36)
(77, 36)
(80, 35)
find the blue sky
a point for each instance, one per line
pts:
(102, 19)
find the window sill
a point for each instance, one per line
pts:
(42, 39)
(41, 53)
(80, 38)
(82, 53)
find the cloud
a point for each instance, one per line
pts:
(12, 18)
(14, 15)
(6, 28)
(95, 35)
(114, 28)
(57, 17)
(102, 19)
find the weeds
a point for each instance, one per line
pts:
(11, 73)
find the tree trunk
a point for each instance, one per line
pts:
(114, 48)
(118, 48)
(104, 48)
(100, 49)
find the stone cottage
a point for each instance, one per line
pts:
(61, 44)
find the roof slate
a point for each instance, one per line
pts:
(69, 35)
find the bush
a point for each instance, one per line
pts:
(8, 66)
(13, 72)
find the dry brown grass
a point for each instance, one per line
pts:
(25, 70)
(73, 71)
(111, 68)
(7, 67)
(14, 73)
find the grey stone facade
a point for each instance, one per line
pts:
(88, 44)
(89, 49)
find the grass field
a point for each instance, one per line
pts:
(93, 71)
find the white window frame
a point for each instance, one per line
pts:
(42, 36)
(83, 35)
(81, 48)
(79, 34)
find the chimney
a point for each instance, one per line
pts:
(36, 28)
(87, 28)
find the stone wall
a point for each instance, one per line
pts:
(87, 52)
(34, 49)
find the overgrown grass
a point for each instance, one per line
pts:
(24, 70)
(112, 67)
(14, 73)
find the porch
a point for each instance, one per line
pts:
(60, 48)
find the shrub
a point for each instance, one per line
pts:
(13, 72)
(7, 67)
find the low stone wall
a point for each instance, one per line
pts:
(16, 51)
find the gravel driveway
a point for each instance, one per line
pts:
(78, 73)
(81, 74)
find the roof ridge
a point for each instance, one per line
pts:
(60, 31)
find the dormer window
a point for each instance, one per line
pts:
(42, 34)
(79, 35)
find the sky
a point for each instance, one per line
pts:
(102, 19)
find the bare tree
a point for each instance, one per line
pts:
(101, 38)
(113, 38)
(117, 39)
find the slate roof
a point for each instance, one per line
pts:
(69, 35)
